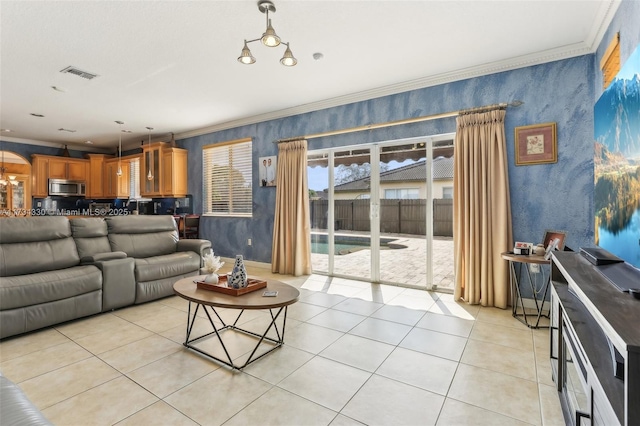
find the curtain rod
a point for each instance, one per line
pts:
(401, 122)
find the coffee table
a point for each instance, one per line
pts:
(210, 300)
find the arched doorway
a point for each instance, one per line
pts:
(15, 185)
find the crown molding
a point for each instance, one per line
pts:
(564, 52)
(70, 146)
(602, 21)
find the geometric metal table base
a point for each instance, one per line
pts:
(516, 295)
(522, 316)
(218, 332)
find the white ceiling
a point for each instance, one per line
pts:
(172, 65)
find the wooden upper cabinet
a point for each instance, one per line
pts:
(39, 176)
(57, 168)
(45, 167)
(68, 168)
(151, 165)
(77, 169)
(95, 182)
(174, 172)
(168, 166)
(114, 186)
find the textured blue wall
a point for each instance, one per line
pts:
(553, 196)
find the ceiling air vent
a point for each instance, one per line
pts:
(78, 72)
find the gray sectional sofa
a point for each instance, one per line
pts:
(54, 269)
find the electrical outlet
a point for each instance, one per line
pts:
(534, 268)
(249, 242)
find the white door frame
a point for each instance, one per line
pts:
(374, 152)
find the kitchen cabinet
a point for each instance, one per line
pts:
(15, 199)
(114, 186)
(45, 167)
(168, 166)
(40, 175)
(68, 168)
(96, 181)
(174, 172)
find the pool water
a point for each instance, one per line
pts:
(345, 244)
(323, 248)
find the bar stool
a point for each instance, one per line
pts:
(190, 225)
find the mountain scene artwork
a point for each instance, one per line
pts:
(617, 164)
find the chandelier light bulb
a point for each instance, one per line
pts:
(270, 38)
(288, 60)
(246, 57)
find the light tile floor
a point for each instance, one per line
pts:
(355, 353)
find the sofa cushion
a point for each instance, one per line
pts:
(33, 229)
(35, 244)
(143, 236)
(171, 265)
(43, 287)
(90, 235)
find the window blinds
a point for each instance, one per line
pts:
(227, 179)
(134, 179)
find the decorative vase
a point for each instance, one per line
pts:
(238, 277)
(211, 278)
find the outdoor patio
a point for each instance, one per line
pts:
(402, 266)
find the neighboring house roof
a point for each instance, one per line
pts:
(416, 172)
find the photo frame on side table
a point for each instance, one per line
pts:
(550, 235)
(536, 144)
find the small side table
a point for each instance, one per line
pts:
(515, 279)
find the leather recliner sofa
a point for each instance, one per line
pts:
(53, 269)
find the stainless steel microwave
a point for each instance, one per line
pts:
(67, 188)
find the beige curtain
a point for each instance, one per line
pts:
(291, 250)
(481, 210)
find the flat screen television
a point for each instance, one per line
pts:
(617, 164)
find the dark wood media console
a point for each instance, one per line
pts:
(591, 320)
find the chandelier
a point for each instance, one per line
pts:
(269, 38)
(3, 181)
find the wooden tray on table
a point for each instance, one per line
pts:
(221, 287)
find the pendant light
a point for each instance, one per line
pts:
(150, 173)
(3, 180)
(119, 171)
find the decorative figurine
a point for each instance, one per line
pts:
(238, 277)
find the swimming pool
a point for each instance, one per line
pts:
(345, 244)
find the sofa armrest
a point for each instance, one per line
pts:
(194, 245)
(103, 257)
(16, 408)
(118, 282)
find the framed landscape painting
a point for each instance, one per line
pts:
(617, 164)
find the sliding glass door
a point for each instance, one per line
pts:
(383, 212)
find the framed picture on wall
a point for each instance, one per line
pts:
(536, 144)
(267, 170)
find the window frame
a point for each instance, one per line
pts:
(244, 165)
